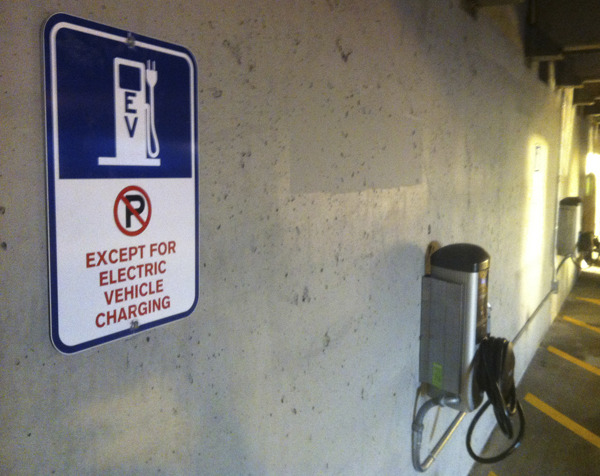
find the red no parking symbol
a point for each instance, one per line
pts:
(132, 210)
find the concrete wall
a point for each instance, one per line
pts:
(337, 139)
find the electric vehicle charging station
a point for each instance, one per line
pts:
(455, 320)
(459, 360)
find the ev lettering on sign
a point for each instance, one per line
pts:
(122, 184)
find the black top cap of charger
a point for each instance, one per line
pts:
(570, 201)
(461, 257)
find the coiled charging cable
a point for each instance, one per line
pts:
(495, 376)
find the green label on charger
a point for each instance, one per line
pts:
(436, 378)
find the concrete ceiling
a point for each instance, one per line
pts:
(562, 37)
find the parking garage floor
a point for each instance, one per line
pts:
(560, 395)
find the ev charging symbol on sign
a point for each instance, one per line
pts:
(135, 127)
(132, 210)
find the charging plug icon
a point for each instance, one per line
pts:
(136, 141)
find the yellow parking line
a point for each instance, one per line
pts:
(575, 360)
(581, 324)
(563, 420)
(592, 300)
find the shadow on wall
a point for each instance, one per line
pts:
(374, 150)
(396, 296)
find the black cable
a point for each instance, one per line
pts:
(495, 376)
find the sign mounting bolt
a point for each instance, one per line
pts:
(130, 40)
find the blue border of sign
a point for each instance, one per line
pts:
(50, 127)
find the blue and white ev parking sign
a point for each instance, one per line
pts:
(121, 138)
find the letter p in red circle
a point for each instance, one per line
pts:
(132, 210)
